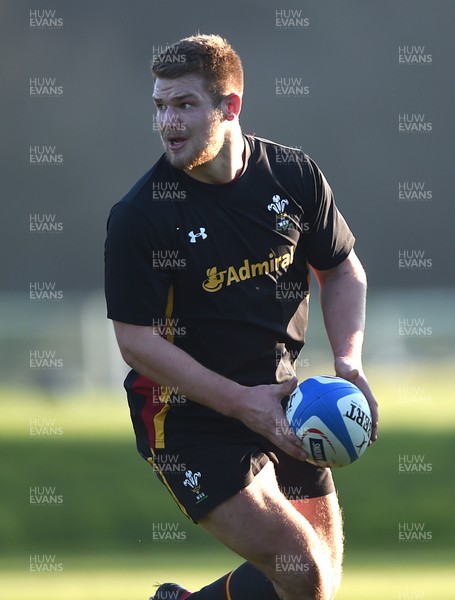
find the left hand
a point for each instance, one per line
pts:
(345, 368)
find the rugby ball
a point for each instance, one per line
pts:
(332, 418)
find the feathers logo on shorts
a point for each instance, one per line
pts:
(192, 481)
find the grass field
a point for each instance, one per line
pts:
(122, 579)
(99, 538)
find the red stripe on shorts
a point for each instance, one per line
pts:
(151, 391)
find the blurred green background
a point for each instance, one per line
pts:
(65, 432)
(99, 533)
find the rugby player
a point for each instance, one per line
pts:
(198, 256)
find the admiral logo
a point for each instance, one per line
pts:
(414, 191)
(413, 259)
(414, 328)
(291, 87)
(413, 123)
(45, 156)
(216, 280)
(166, 190)
(291, 19)
(45, 223)
(45, 19)
(44, 290)
(414, 55)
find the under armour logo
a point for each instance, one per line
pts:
(193, 236)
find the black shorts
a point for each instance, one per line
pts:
(204, 458)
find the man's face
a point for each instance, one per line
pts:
(191, 128)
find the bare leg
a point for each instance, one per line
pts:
(324, 515)
(261, 525)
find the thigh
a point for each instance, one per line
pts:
(324, 515)
(261, 525)
(201, 477)
(311, 491)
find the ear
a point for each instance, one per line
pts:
(231, 106)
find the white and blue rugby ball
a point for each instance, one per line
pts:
(332, 418)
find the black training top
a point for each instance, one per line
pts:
(223, 269)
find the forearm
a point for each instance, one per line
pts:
(343, 299)
(258, 407)
(145, 351)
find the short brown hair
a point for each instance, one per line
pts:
(208, 55)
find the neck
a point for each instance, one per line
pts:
(227, 164)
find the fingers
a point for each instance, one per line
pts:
(285, 436)
(264, 414)
(363, 386)
(348, 374)
(286, 440)
(374, 418)
(354, 376)
(286, 387)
